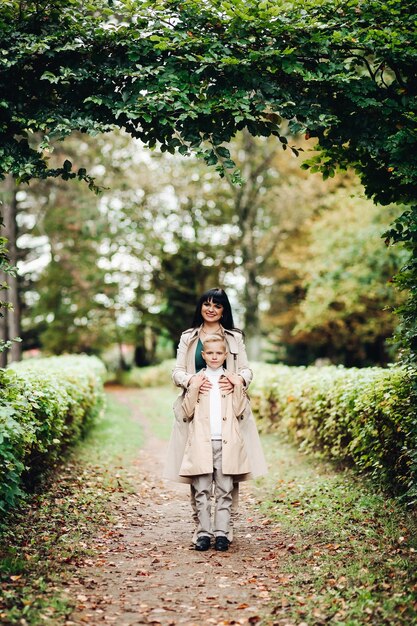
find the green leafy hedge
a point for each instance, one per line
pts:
(365, 416)
(45, 404)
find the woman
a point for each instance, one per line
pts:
(213, 315)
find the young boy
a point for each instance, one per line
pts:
(215, 450)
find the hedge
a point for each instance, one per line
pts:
(149, 376)
(45, 405)
(366, 417)
(363, 416)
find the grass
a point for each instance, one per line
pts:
(350, 550)
(43, 542)
(156, 406)
(115, 435)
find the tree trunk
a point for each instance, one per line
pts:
(3, 326)
(4, 334)
(252, 322)
(247, 205)
(11, 321)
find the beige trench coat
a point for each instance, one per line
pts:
(198, 454)
(236, 361)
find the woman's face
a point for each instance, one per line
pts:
(211, 311)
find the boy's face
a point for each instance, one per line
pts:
(215, 354)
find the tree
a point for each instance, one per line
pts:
(5, 271)
(73, 296)
(75, 299)
(10, 320)
(209, 230)
(333, 295)
(224, 232)
(274, 198)
(183, 72)
(167, 228)
(186, 243)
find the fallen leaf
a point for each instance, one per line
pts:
(82, 598)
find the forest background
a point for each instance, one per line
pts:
(118, 274)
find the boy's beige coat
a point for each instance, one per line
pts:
(189, 449)
(198, 456)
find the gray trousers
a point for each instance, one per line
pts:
(223, 488)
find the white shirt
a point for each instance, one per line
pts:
(215, 398)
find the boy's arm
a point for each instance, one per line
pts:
(191, 396)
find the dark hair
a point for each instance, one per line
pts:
(218, 296)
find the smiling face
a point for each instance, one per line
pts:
(211, 311)
(214, 354)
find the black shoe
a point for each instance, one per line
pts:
(222, 544)
(202, 543)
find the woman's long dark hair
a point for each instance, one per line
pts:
(218, 296)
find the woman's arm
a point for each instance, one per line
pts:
(239, 397)
(180, 376)
(243, 368)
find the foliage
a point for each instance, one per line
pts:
(150, 376)
(213, 231)
(72, 296)
(348, 274)
(55, 529)
(333, 295)
(164, 227)
(178, 280)
(366, 416)
(347, 552)
(404, 231)
(186, 243)
(124, 257)
(45, 405)
(130, 263)
(183, 72)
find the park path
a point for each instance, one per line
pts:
(144, 569)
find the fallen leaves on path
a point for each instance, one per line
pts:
(146, 571)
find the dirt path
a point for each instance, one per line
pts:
(145, 570)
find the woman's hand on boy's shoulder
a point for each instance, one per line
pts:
(235, 379)
(200, 382)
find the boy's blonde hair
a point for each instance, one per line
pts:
(215, 338)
